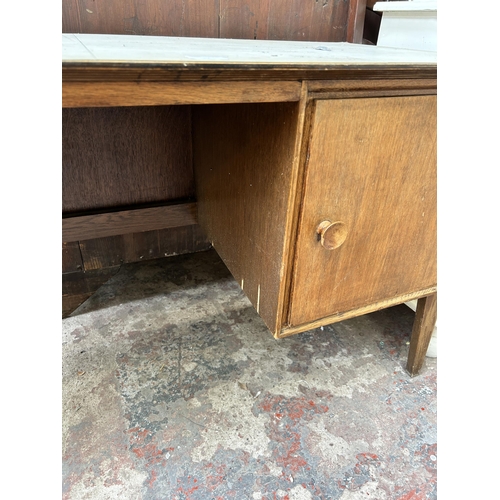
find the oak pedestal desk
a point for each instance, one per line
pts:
(315, 165)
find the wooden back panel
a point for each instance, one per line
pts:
(116, 157)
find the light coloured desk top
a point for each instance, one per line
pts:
(93, 50)
(132, 70)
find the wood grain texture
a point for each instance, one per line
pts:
(91, 73)
(383, 92)
(341, 89)
(244, 158)
(356, 21)
(379, 156)
(298, 20)
(71, 257)
(133, 17)
(121, 157)
(86, 227)
(103, 94)
(135, 247)
(423, 326)
(244, 19)
(324, 20)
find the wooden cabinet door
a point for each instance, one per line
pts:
(371, 166)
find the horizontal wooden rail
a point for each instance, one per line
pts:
(103, 94)
(87, 227)
(338, 89)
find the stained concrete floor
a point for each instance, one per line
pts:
(173, 388)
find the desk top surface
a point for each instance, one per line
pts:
(134, 50)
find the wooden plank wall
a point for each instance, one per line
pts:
(121, 158)
(306, 20)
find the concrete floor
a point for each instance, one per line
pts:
(173, 388)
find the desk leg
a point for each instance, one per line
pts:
(425, 320)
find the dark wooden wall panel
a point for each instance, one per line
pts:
(135, 17)
(312, 20)
(71, 257)
(114, 157)
(321, 20)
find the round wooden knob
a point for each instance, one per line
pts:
(332, 234)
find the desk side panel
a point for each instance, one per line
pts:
(244, 161)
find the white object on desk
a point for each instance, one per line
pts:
(409, 25)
